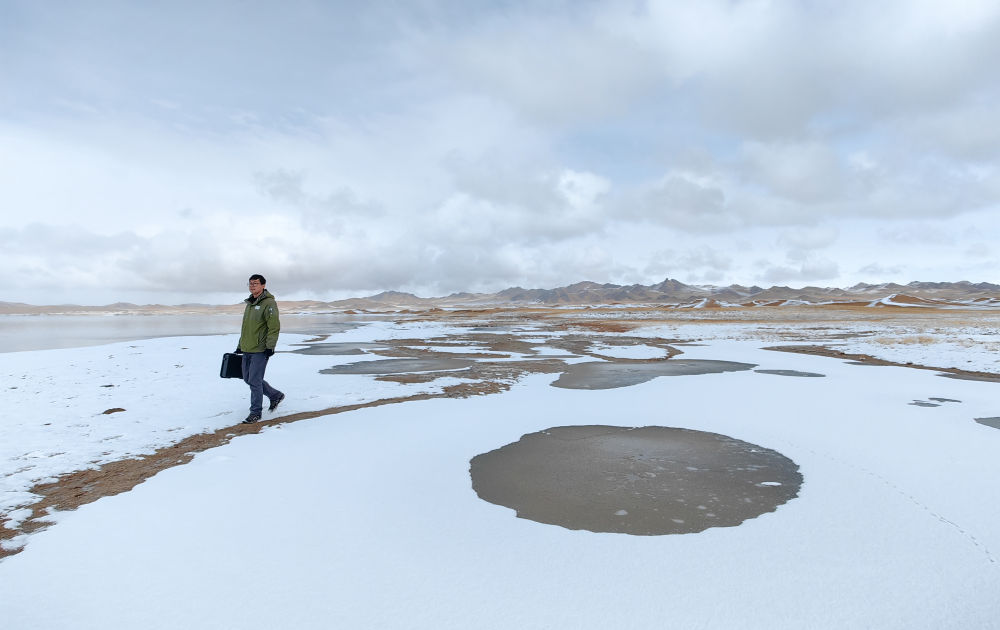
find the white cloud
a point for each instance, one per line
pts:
(876, 272)
(805, 173)
(967, 132)
(684, 201)
(809, 271)
(918, 235)
(802, 243)
(553, 68)
(702, 263)
(979, 250)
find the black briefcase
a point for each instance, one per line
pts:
(232, 366)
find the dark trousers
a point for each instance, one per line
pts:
(254, 364)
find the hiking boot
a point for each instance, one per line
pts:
(275, 402)
(254, 417)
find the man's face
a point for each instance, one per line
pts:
(256, 288)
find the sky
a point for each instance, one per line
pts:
(163, 152)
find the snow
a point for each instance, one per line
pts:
(977, 352)
(970, 348)
(54, 400)
(368, 519)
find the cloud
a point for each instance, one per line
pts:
(283, 186)
(966, 133)
(979, 250)
(772, 70)
(802, 246)
(440, 146)
(336, 213)
(919, 234)
(879, 272)
(554, 68)
(808, 271)
(808, 238)
(696, 264)
(685, 201)
(805, 173)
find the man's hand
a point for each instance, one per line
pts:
(269, 352)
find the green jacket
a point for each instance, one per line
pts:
(260, 324)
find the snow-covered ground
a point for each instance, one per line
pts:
(54, 419)
(967, 348)
(972, 351)
(368, 519)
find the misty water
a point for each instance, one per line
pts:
(44, 332)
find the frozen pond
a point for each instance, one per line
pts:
(635, 480)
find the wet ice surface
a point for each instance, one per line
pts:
(500, 354)
(399, 366)
(968, 377)
(645, 481)
(637, 351)
(790, 373)
(338, 348)
(989, 422)
(933, 401)
(606, 375)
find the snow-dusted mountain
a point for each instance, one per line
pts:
(674, 292)
(670, 292)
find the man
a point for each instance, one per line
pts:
(258, 338)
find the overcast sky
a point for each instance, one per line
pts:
(163, 152)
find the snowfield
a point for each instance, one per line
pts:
(166, 389)
(367, 519)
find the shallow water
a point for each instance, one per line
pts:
(608, 375)
(791, 373)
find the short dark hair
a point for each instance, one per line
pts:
(258, 278)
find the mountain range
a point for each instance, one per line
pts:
(670, 292)
(674, 292)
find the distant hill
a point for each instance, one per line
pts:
(668, 293)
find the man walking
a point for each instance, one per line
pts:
(258, 338)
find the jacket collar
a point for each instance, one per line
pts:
(251, 300)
